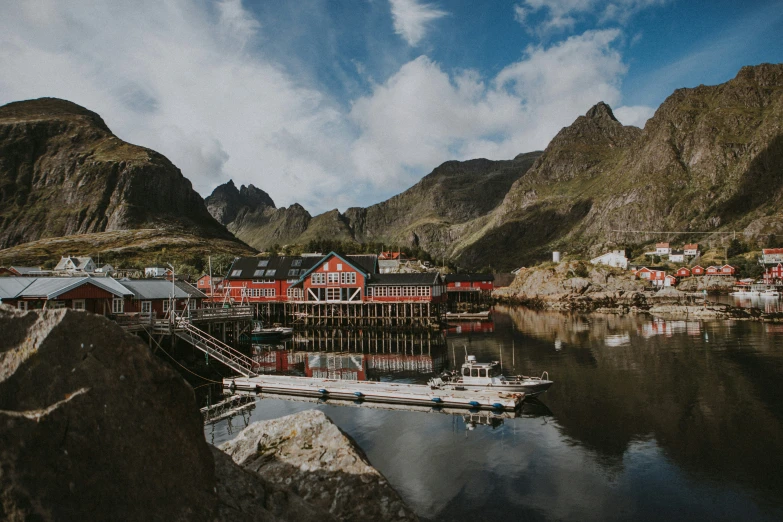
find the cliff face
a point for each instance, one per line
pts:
(63, 172)
(226, 202)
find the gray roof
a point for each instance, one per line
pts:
(79, 262)
(422, 279)
(190, 289)
(24, 270)
(10, 287)
(154, 289)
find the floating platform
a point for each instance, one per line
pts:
(373, 391)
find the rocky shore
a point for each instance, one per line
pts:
(94, 427)
(575, 286)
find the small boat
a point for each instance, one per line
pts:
(770, 293)
(744, 293)
(273, 332)
(468, 316)
(475, 375)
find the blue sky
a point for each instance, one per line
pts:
(345, 103)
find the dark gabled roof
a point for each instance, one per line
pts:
(677, 252)
(367, 262)
(453, 278)
(407, 279)
(190, 289)
(276, 267)
(154, 289)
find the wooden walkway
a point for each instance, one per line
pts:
(373, 391)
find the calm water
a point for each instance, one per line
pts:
(647, 419)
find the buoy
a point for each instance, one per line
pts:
(498, 406)
(358, 394)
(323, 391)
(437, 399)
(475, 404)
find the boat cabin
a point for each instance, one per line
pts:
(476, 372)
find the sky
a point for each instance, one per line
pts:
(333, 104)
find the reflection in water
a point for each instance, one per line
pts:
(648, 418)
(769, 304)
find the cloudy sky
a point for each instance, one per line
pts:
(335, 103)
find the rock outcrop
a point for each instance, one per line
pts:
(63, 172)
(94, 427)
(321, 464)
(226, 201)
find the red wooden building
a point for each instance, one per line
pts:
(683, 271)
(698, 270)
(470, 282)
(725, 270)
(154, 296)
(97, 295)
(774, 274)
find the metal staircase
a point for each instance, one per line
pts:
(215, 348)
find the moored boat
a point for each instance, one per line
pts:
(475, 375)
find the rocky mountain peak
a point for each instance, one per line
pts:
(50, 109)
(601, 111)
(255, 197)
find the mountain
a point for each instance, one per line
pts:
(63, 173)
(227, 202)
(709, 162)
(430, 214)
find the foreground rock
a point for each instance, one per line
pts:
(321, 464)
(93, 427)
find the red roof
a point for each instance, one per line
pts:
(767, 251)
(691, 246)
(661, 245)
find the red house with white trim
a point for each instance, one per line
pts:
(698, 270)
(773, 274)
(683, 272)
(469, 282)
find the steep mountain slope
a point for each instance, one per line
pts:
(710, 159)
(63, 172)
(226, 201)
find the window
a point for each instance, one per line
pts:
(326, 266)
(318, 279)
(291, 281)
(236, 273)
(166, 304)
(263, 263)
(258, 273)
(339, 266)
(269, 292)
(192, 304)
(474, 372)
(348, 278)
(21, 305)
(332, 294)
(333, 277)
(146, 307)
(270, 273)
(78, 304)
(456, 284)
(296, 262)
(466, 372)
(56, 305)
(117, 305)
(293, 272)
(295, 293)
(482, 372)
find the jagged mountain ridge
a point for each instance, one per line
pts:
(63, 172)
(710, 159)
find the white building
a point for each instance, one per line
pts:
(677, 256)
(156, 271)
(691, 249)
(615, 258)
(663, 249)
(73, 264)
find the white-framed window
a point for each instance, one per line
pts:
(348, 278)
(295, 293)
(333, 294)
(456, 284)
(318, 278)
(423, 290)
(166, 305)
(192, 304)
(236, 273)
(117, 305)
(333, 277)
(269, 292)
(339, 266)
(21, 305)
(146, 307)
(326, 266)
(78, 304)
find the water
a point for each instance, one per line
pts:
(647, 419)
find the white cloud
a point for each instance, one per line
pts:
(561, 15)
(422, 116)
(636, 115)
(411, 19)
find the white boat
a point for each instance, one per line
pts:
(770, 293)
(475, 375)
(744, 293)
(270, 332)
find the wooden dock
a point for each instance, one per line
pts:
(373, 391)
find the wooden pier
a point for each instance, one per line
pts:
(374, 391)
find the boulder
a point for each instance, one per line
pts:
(94, 427)
(311, 455)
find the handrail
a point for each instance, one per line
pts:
(212, 346)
